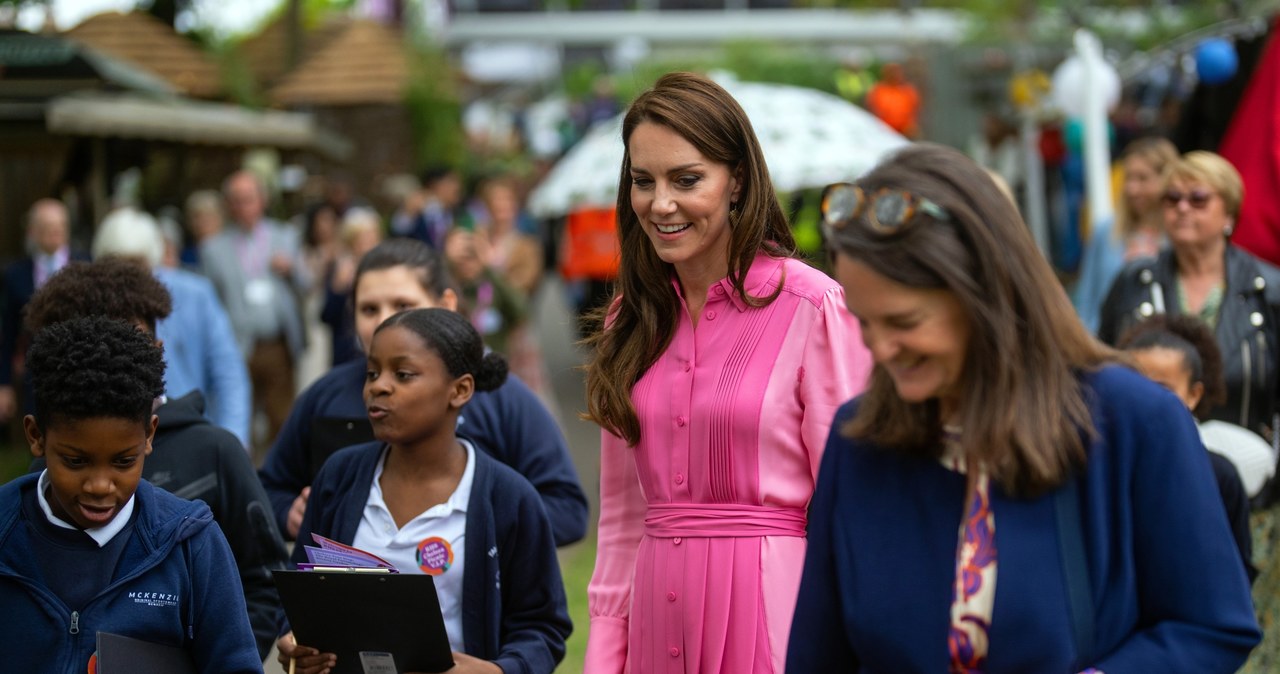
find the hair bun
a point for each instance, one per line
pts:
(492, 372)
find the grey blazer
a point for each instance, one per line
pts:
(220, 260)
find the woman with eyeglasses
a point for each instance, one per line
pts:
(719, 367)
(1005, 497)
(1201, 274)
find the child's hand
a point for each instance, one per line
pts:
(306, 660)
(465, 664)
(296, 511)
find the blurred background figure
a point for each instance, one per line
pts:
(256, 265)
(1137, 230)
(997, 149)
(200, 349)
(359, 233)
(320, 242)
(205, 218)
(601, 106)
(48, 251)
(895, 100)
(496, 257)
(1202, 274)
(428, 215)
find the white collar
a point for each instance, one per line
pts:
(461, 494)
(101, 535)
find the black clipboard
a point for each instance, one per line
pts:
(328, 435)
(119, 654)
(352, 612)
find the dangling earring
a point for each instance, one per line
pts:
(1231, 227)
(733, 215)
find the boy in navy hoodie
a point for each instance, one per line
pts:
(87, 545)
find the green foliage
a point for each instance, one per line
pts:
(579, 79)
(748, 60)
(14, 459)
(435, 108)
(781, 64)
(237, 80)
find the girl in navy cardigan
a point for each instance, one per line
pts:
(1004, 497)
(429, 502)
(509, 423)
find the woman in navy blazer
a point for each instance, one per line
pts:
(1005, 497)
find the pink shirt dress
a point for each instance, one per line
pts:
(701, 535)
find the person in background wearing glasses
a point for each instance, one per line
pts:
(721, 361)
(1201, 274)
(1005, 497)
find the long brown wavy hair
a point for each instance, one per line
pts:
(641, 318)
(1024, 416)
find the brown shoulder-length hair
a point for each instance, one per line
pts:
(639, 321)
(1024, 417)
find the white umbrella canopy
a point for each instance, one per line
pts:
(810, 138)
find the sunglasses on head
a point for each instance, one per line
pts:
(1197, 198)
(886, 210)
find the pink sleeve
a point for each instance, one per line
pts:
(622, 511)
(836, 367)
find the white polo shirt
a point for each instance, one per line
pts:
(440, 532)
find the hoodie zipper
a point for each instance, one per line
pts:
(75, 622)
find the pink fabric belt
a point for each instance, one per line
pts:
(722, 520)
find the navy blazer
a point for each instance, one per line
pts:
(19, 286)
(1168, 590)
(514, 610)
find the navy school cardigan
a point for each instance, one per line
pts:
(514, 610)
(509, 423)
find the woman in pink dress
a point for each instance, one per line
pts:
(715, 380)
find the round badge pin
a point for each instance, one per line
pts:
(435, 556)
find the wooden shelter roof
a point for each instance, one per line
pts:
(266, 52)
(146, 42)
(363, 63)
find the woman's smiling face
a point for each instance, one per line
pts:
(918, 336)
(681, 198)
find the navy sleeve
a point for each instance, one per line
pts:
(287, 467)
(1197, 614)
(251, 532)
(1237, 505)
(10, 325)
(514, 427)
(818, 642)
(535, 613)
(221, 639)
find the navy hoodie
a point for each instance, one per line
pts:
(171, 587)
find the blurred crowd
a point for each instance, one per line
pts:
(263, 303)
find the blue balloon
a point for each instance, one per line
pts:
(1216, 61)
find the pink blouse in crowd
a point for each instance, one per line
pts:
(701, 536)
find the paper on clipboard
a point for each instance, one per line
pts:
(333, 554)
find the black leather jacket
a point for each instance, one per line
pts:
(1248, 329)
